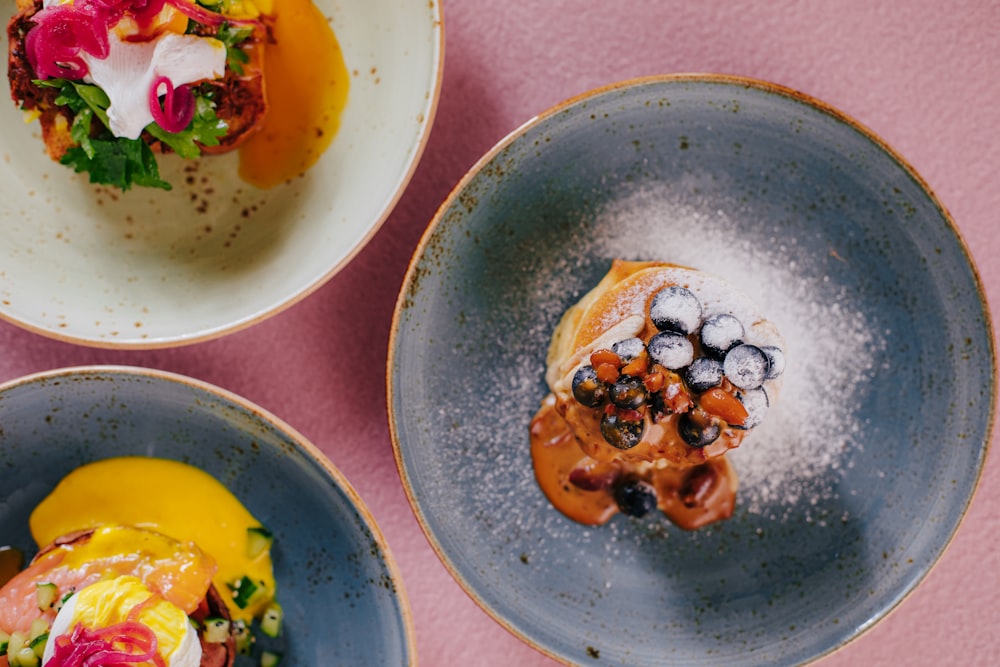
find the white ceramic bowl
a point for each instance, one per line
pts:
(146, 269)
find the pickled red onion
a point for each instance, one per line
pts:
(60, 33)
(178, 105)
(112, 646)
(204, 16)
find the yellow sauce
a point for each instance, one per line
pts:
(306, 87)
(172, 498)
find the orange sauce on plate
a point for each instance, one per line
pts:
(691, 497)
(306, 87)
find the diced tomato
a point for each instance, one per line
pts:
(600, 357)
(724, 405)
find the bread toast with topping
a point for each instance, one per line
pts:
(239, 97)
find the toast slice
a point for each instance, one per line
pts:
(240, 99)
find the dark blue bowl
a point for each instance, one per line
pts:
(851, 489)
(337, 582)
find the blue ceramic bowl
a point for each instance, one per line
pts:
(852, 487)
(337, 582)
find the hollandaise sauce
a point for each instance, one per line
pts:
(177, 500)
(306, 89)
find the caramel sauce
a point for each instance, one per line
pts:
(306, 90)
(660, 441)
(581, 486)
(577, 468)
(555, 454)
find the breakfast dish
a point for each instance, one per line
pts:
(654, 375)
(84, 588)
(146, 582)
(114, 83)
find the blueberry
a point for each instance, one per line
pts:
(622, 433)
(745, 366)
(703, 374)
(698, 432)
(775, 361)
(756, 402)
(628, 349)
(587, 389)
(628, 391)
(635, 497)
(671, 350)
(675, 308)
(721, 333)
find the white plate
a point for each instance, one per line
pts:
(146, 268)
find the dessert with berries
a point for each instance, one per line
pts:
(654, 375)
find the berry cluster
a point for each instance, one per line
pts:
(695, 367)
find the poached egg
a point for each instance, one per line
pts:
(126, 599)
(169, 497)
(141, 55)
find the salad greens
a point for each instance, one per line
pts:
(123, 162)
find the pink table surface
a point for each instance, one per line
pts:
(921, 74)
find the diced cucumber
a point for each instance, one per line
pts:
(46, 594)
(270, 622)
(259, 540)
(247, 591)
(37, 644)
(39, 626)
(269, 659)
(15, 642)
(243, 636)
(216, 630)
(38, 636)
(25, 657)
(62, 600)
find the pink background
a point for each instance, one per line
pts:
(921, 74)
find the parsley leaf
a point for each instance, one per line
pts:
(232, 38)
(109, 160)
(120, 162)
(125, 162)
(205, 129)
(79, 131)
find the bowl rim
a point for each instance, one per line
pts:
(410, 284)
(430, 113)
(305, 446)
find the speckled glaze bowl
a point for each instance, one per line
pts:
(148, 268)
(338, 584)
(856, 481)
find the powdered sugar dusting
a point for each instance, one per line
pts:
(788, 466)
(796, 456)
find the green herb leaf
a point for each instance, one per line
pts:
(119, 162)
(79, 131)
(232, 37)
(206, 128)
(110, 161)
